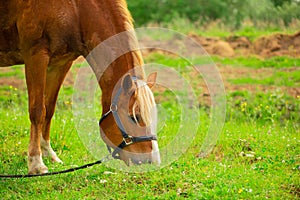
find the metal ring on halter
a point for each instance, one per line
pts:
(113, 107)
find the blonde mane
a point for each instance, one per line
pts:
(146, 102)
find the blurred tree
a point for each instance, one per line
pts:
(230, 12)
(279, 3)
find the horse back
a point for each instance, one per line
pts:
(23, 24)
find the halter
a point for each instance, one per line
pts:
(127, 139)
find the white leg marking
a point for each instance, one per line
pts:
(48, 151)
(36, 165)
(155, 153)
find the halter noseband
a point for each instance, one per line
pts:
(127, 139)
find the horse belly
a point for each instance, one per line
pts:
(10, 58)
(9, 47)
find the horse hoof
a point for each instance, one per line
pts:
(55, 159)
(38, 170)
(47, 151)
(36, 165)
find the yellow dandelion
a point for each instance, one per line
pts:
(240, 191)
(68, 102)
(267, 107)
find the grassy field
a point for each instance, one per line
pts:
(256, 157)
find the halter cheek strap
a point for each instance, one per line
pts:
(127, 139)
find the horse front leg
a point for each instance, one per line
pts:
(54, 78)
(36, 63)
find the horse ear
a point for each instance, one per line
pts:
(151, 80)
(127, 84)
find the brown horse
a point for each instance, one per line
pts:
(47, 36)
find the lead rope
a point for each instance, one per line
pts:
(104, 159)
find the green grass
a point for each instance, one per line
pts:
(15, 71)
(283, 71)
(250, 62)
(256, 157)
(257, 63)
(278, 78)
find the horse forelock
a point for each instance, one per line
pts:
(146, 103)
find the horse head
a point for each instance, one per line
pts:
(129, 127)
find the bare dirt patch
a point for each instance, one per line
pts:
(268, 46)
(277, 45)
(12, 81)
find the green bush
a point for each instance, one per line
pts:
(230, 12)
(270, 13)
(145, 11)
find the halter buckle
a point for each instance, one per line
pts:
(128, 140)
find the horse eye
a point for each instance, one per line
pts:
(135, 119)
(132, 118)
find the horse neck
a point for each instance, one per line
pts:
(110, 37)
(100, 20)
(112, 76)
